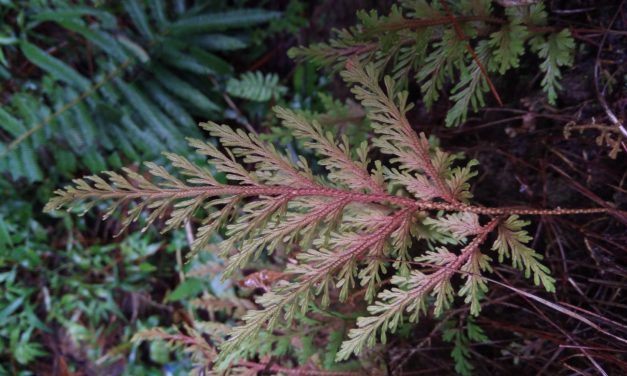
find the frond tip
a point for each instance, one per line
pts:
(510, 243)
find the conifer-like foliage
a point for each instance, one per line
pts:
(459, 48)
(409, 218)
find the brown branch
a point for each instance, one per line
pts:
(420, 23)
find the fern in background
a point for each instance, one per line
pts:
(461, 338)
(440, 42)
(349, 226)
(255, 86)
(148, 80)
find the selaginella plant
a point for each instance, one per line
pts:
(465, 43)
(408, 217)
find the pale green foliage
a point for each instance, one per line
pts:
(511, 244)
(475, 285)
(412, 293)
(351, 225)
(418, 39)
(459, 225)
(256, 86)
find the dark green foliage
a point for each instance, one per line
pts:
(120, 87)
(418, 41)
(462, 338)
(70, 292)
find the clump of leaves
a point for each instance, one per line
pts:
(464, 43)
(349, 228)
(71, 293)
(461, 338)
(132, 69)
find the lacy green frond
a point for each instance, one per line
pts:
(338, 158)
(475, 285)
(448, 54)
(510, 243)
(386, 111)
(468, 93)
(256, 86)
(557, 51)
(508, 44)
(459, 225)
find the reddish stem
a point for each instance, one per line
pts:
(462, 36)
(248, 191)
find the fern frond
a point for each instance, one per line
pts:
(435, 43)
(468, 92)
(236, 18)
(351, 225)
(475, 286)
(256, 86)
(508, 45)
(54, 66)
(460, 225)
(388, 311)
(153, 49)
(510, 243)
(438, 66)
(271, 166)
(557, 51)
(461, 339)
(318, 268)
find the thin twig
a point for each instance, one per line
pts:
(597, 68)
(240, 118)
